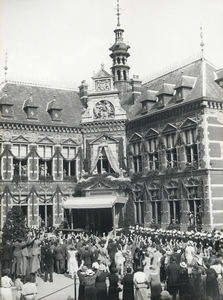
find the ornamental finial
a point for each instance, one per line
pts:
(202, 43)
(6, 68)
(118, 13)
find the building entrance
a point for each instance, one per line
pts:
(96, 221)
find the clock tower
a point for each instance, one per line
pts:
(119, 55)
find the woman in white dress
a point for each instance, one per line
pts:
(72, 264)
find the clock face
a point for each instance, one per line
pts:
(102, 85)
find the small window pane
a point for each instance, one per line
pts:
(23, 150)
(65, 152)
(48, 152)
(15, 150)
(41, 151)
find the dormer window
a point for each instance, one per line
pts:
(30, 108)
(6, 106)
(54, 110)
(219, 79)
(148, 99)
(165, 94)
(184, 87)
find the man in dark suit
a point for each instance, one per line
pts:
(58, 253)
(48, 262)
(7, 256)
(173, 276)
(86, 256)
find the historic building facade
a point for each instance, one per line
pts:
(66, 153)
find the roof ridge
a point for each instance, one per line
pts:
(51, 86)
(171, 68)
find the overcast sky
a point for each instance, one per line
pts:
(65, 41)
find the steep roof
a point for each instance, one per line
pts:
(202, 71)
(67, 100)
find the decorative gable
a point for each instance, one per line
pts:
(151, 133)
(20, 139)
(104, 139)
(69, 142)
(169, 128)
(6, 106)
(188, 123)
(102, 80)
(54, 110)
(30, 108)
(45, 140)
(135, 138)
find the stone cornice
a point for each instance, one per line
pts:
(43, 128)
(112, 125)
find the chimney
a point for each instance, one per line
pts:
(136, 87)
(83, 93)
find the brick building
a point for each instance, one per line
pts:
(65, 152)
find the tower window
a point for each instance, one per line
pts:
(118, 60)
(124, 75)
(119, 75)
(123, 60)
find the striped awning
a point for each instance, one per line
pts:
(105, 201)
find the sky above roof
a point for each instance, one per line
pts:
(63, 42)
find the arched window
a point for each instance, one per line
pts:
(119, 75)
(124, 75)
(123, 60)
(118, 60)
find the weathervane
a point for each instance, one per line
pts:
(202, 43)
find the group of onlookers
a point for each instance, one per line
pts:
(155, 264)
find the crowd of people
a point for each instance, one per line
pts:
(159, 264)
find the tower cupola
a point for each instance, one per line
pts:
(119, 55)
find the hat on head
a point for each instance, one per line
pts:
(84, 268)
(95, 265)
(101, 267)
(165, 295)
(89, 272)
(183, 264)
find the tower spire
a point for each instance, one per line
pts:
(6, 68)
(118, 13)
(202, 43)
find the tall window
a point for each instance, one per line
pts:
(45, 165)
(191, 146)
(156, 206)
(103, 164)
(153, 154)
(137, 157)
(69, 167)
(194, 214)
(19, 166)
(174, 211)
(139, 207)
(171, 151)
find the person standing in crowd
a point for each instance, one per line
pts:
(81, 273)
(119, 260)
(72, 263)
(89, 282)
(155, 284)
(100, 283)
(183, 280)
(7, 256)
(141, 284)
(113, 290)
(29, 290)
(59, 258)
(86, 256)
(19, 285)
(48, 264)
(36, 256)
(6, 285)
(128, 285)
(173, 276)
(211, 283)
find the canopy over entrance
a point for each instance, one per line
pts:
(94, 213)
(91, 202)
